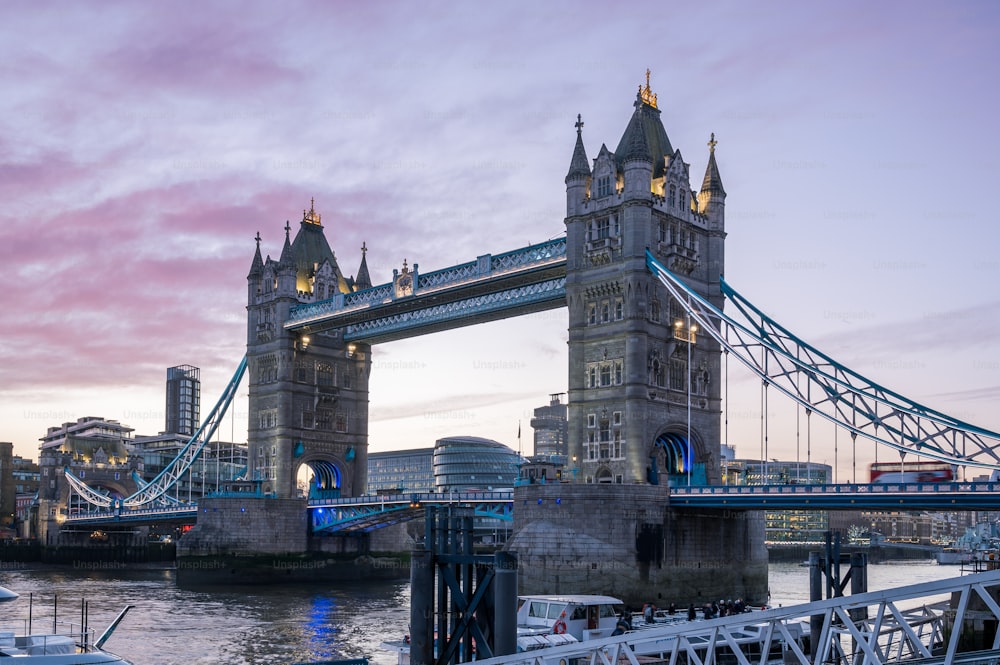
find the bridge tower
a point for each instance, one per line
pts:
(644, 384)
(644, 389)
(308, 393)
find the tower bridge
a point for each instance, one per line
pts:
(638, 272)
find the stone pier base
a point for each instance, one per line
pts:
(626, 541)
(257, 540)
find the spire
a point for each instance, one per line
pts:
(713, 181)
(286, 258)
(646, 95)
(579, 166)
(257, 267)
(311, 216)
(364, 280)
(645, 120)
(636, 146)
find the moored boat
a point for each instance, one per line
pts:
(78, 645)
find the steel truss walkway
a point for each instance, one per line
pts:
(526, 280)
(916, 624)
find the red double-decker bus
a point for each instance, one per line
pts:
(912, 472)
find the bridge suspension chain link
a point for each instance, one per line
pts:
(844, 397)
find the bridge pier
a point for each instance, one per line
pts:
(626, 541)
(261, 540)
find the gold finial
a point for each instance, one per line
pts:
(646, 94)
(311, 215)
(712, 143)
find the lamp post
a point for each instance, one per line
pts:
(574, 468)
(689, 338)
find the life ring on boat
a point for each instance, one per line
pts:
(559, 628)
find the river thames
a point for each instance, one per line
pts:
(281, 624)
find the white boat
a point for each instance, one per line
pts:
(548, 621)
(77, 646)
(580, 616)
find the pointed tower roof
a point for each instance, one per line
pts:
(310, 248)
(637, 146)
(646, 120)
(257, 267)
(713, 181)
(363, 280)
(579, 166)
(285, 260)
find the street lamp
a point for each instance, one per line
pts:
(690, 339)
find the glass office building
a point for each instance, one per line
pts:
(401, 471)
(474, 463)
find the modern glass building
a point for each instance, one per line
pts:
(401, 471)
(474, 463)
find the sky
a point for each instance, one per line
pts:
(143, 145)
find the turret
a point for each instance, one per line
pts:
(579, 177)
(712, 197)
(286, 272)
(256, 274)
(363, 280)
(636, 161)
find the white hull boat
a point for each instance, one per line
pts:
(77, 646)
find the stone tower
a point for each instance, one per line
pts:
(308, 393)
(644, 402)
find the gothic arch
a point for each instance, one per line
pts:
(673, 454)
(326, 476)
(604, 475)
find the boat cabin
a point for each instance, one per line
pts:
(582, 616)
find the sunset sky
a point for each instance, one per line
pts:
(143, 145)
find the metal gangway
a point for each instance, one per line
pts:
(923, 624)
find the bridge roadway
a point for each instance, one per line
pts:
(365, 513)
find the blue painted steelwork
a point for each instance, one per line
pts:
(825, 387)
(521, 281)
(365, 513)
(183, 513)
(156, 489)
(851, 496)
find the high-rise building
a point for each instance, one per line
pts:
(550, 425)
(183, 400)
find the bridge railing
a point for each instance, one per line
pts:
(427, 497)
(908, 624)
(840, 488)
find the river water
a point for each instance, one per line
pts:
(281, 624)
